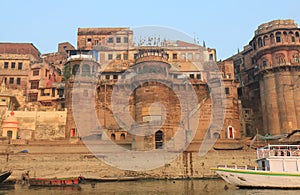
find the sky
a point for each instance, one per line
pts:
(224, 25)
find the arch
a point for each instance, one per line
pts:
(254, 45)
(113, 136)
(122, 136)
(86, 70)
(278, 37)
(159, 139)
(75, 69)
(230, 132)
(297, 34)
(291, 36)
(259, 41)
(286, 39)
(265, 40)
(272, 38)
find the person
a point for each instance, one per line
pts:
(25, 177)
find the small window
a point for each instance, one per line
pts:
(293, 39)
(115, 76)
(227, 91)
(20, 64)
(5, 65)
(296, 59)
(125, 56)
(18, 81)
(118, 39)
(11, 80)
(264, 63)
(183, 56)
(192, 76)
(13, 65)
(89, 40)
(110, 40)
(35, 72)
(211, 57)
(190, 56)
(174, 56)
(125, 39)
(110, 56)
(34, 85)
(53, 92)
(198, 76)
(197, 56)
(96, 42)
(118, 57)
(107, 77)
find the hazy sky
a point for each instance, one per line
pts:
(225, 25)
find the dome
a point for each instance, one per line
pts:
(11, 121)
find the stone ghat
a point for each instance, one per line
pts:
(66, 160)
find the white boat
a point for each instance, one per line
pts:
(278, 167)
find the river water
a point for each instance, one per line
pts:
(190, 187)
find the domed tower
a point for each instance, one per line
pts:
(79, 73)
(275, 61)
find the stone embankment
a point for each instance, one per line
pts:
(64, 159)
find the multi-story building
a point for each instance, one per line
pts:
(15, 60)
(115, 55)
(268, 70)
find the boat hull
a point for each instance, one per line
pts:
(54, 182)
(259, 179)
(4, 176)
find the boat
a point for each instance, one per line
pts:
(55, 182)
(4, 176)
(278, 166)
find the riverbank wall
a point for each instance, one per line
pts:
(65, 159)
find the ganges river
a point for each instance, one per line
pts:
(207, 186)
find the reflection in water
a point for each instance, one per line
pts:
(211, 186)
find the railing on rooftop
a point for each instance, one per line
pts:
(286, 151)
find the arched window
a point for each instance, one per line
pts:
(159, 139)
(122, 136)
(75, 69)
(271, 38)
(280, 59)
(265, 40)
(254, 45)
(291, 35)
(113, 136)
(85, 70)
(286, 39)
(259, 42)
(278, 37)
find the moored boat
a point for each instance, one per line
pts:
(4, 176)
(70, 181)
(278, 167)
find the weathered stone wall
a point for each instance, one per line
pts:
(63, 160)
(41, 124)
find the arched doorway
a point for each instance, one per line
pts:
(230, 132)
(159, 139)
(113, 136)
(122, 136)
(9, 133)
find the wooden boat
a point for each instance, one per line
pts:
(4, 176)
(278, 167)
(59, 182)
(228, 148)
